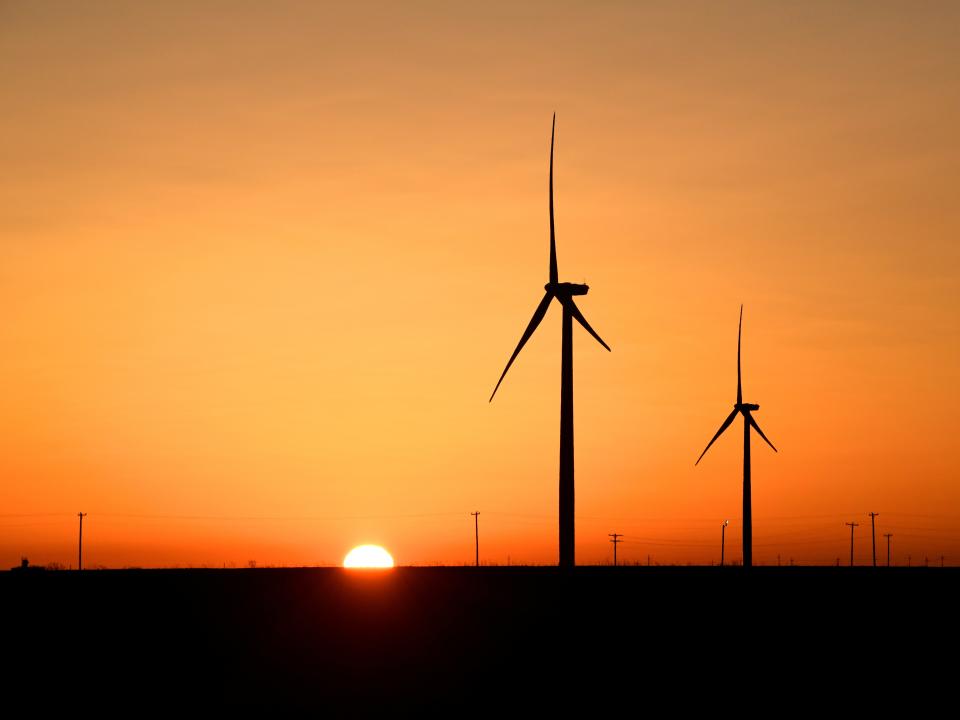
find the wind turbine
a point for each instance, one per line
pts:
(745, 409)
(562, 293)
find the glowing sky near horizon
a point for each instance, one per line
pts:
(262, 264)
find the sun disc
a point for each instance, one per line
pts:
(368, 556)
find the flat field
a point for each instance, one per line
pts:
(461, 638)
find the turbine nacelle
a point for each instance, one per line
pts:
(562, 290)
(745, 407)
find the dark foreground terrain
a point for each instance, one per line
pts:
(463, 638)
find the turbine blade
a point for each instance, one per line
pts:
(757, 428)
(575, 311)
(726, 424)
(739, 331)
(553, 240)
(534, 322)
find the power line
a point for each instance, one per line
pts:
(234, 518)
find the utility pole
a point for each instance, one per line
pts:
(873, 532)
(852, 526)
(615, 538)
(723, 539)
(888, 536)
(80, 546)
(941, 561)
(476, 531)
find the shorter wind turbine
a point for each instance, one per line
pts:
(745, 409)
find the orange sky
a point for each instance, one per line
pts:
(262, 264)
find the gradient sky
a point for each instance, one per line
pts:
(261, 265)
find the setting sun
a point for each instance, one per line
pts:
(368, 556)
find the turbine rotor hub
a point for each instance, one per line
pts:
(566, 289)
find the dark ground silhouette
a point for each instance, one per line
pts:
(327, 638)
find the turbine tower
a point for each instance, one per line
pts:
(562, 293)
(747, 410)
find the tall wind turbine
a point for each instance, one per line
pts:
(745, 409)
(562, 293)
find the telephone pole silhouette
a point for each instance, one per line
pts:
(873, 533)
(888, 536)
(852, 526)
(80, 545)
(476, 530)
(615, 538)
(723, 539)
